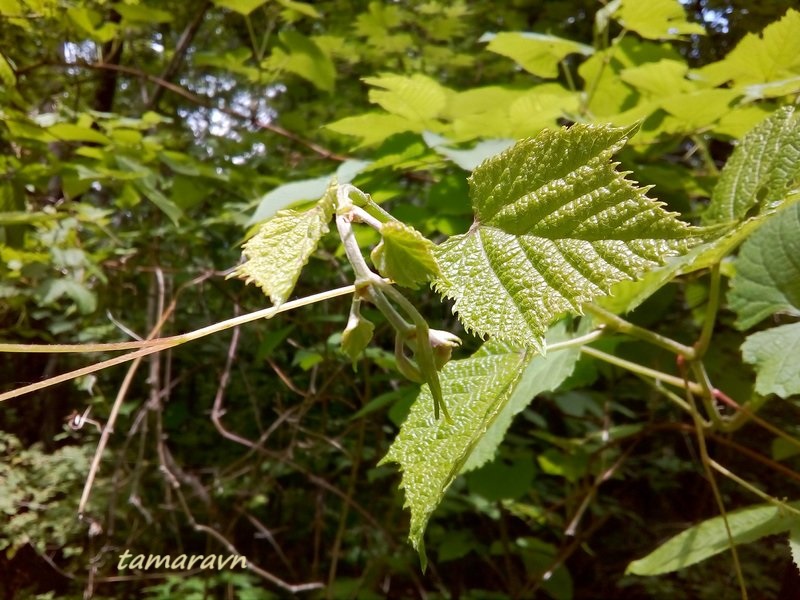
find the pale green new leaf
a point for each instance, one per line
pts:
(774, 353)
(710, 538)
(405, 255)
(556, 226)
(767, 56)
(374, 127)
(657, 19)
(277, 253)
(542, 374)
(430, 451)
(761, 172)
(767, 276)
(537, 53)
(417, 98)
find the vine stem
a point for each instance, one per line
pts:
(177, 340)
(619, 324)
(693, 387)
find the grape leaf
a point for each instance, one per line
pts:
(416, 98)
(760, 172)
(767, 276)
(542, 374)
(404, 255)
(710, 538)
(430, 451)
(283, 245)
(556, 225)
(774, 353)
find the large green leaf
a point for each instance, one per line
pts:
(431, 452)
(774, 353)
(542, 374)
(761, 171)
(767, 276)
(277, 253)
(556, 225)
(710, 538)
(537, 53)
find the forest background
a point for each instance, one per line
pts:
(144, 142)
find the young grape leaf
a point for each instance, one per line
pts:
(774, 353)
(358, 332)
(430, 451)
(277, 253)
(710, 538)
(555, 226)
(404, 255)
(761, 171)
(767, 276)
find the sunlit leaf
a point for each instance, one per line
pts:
(537, 53)
(281, 248)
(657, 19)
(556, 225)
(243, 7)
(770, 55)
(416, 98)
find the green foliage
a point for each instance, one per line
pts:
(281, 248)
(710, 538)
(431, 452)
(404, 255)
(556, 226)
(143, 141)
(767, 279)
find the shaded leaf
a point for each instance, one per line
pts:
(303, 57)
(767, 276)
(710, 538)
(556, 225)
(774, 354)
(358, 332)
(281, 248)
